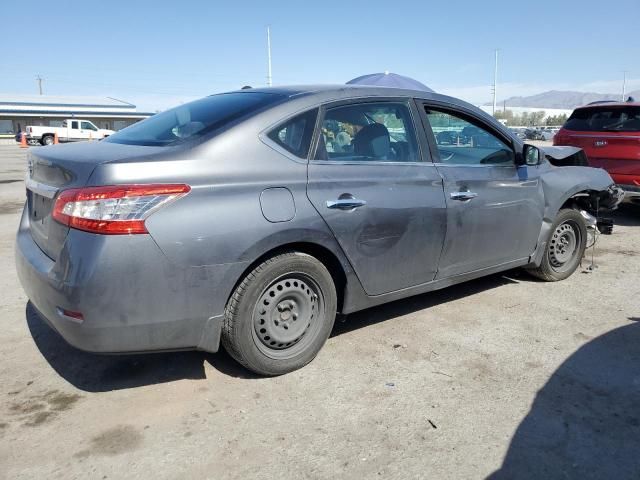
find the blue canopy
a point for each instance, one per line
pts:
(387, 79)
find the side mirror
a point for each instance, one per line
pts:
(531, 155)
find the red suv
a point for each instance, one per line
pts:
(609, 133)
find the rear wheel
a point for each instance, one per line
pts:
(565, 247)
(47, 140)
(281, 314)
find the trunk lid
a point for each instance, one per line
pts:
(55, 168)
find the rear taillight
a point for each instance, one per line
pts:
(114, 209)
(559, 139)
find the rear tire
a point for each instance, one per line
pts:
(565, 247)
(47, 140)
(280, 315)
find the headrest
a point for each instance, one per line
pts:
(372, 141)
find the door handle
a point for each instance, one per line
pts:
(463, 196)
(346, 203)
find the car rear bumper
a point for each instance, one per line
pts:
(131, 297)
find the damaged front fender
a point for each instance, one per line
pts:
(565, 156)
(582, 188)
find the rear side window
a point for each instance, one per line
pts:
(295, 134)
(605, 119)
(194, 119)
(366, 132)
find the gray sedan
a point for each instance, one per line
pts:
(250, 218)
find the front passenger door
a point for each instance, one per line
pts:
(494, 209)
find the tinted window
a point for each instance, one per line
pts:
(605, 119)
(74, 124)
(295, 134)
(461, 142)
(87, 126)
(380, 132)
(194, 119)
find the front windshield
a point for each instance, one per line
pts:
(193, 119)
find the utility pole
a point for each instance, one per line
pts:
(624, 84)
(269, 78)
(495, 83)
(39, 79)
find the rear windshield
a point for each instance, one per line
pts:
(605, 119)
(194, 119)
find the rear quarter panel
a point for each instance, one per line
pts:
(221, 221)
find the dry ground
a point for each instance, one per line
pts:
(503, 375)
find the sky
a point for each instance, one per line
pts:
(160, 53)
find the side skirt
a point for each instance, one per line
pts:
(356, 299)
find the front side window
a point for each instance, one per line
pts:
(295, 134)
(380, 132)
(461, 142)
(194, 119)
(605, 119)
(88, 126)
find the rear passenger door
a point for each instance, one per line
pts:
(494, 208)
(378, 192)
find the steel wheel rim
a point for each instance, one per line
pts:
(564, 245)
(287, 315)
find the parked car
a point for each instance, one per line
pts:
(72, 130)
(609, 133)
(533, 134)
(518, 132)
(548, 133)
(228, 220)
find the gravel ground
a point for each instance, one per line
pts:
(503, 376)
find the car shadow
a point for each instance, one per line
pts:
(627, 215)
(585, 421)
(100, 373)
(398, 308)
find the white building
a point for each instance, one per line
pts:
(18, 111)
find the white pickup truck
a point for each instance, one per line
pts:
(72, 130)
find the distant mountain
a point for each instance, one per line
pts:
(563, 99)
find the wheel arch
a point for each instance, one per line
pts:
(580, 198)
(45, 135)
(322, 253)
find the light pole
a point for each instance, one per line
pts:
(495, 83)
(269, 78)
(624, 84)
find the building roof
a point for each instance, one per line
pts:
(63, 101)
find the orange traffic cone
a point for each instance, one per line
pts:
(23, 141)
(55, 138)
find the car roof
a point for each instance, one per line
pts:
(345, 91)
(327, 93)
(608, 103)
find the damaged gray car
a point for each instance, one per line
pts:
(250, 218)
